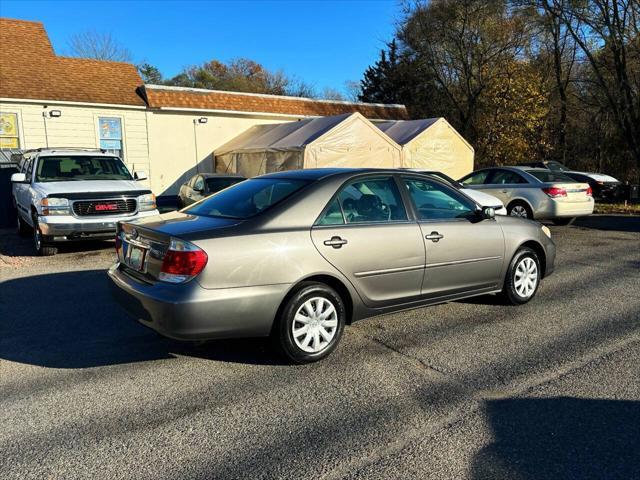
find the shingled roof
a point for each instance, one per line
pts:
(30, 69)
(160, 96)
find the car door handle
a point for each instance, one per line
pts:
(434, 237)
(335, 242)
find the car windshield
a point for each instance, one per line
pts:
(81, 167)
(547, 176)
(247, 199)
(557, 166)
(216, 184)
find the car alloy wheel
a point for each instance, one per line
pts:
(526, 277)
(315, 325)
(519, 211)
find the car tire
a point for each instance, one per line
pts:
(42, 249)
(523, 277)
(519, 209)
(319, 309)
(563, 221)
(23, 228)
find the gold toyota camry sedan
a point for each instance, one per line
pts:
(297, 255)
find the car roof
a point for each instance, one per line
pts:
(319, 173)
(66, 151)
(219, 175)
(529, 169)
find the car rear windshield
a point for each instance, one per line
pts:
(216, 184)
(81, 167)
(247, 199)
(549, 176)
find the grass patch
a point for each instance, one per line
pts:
(628, 209)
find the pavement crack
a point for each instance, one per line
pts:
(413, 359)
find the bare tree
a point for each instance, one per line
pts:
(606, 31)
(98, 46)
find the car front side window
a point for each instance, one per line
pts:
(434, 201)
(503, 177)
(370, 200)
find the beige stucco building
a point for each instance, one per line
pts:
(47, 100)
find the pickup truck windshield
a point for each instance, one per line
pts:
(81, 167)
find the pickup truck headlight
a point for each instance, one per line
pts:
(55, 206)
(146, 202)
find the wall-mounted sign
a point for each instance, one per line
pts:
(9, 137)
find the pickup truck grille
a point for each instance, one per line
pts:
(84, 208)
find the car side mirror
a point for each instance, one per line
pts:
(18, 178)
(488, 213)
(141, 175)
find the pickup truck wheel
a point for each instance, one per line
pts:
(23, 228)
(42, 249)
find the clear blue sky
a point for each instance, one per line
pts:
(325, 43)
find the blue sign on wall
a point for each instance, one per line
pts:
(110, 128)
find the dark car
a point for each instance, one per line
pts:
(603, 186)
(204, 184)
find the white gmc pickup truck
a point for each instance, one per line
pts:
(75, 194)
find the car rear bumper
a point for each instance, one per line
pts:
(67, 227)
(190, 312)
(560, 209)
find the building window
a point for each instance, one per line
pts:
(9, 137)
(111, 135)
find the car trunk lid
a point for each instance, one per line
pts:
(143, 244)
(575, 192)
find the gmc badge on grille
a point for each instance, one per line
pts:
(103, 207)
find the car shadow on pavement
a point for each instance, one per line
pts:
(561, 438)
(12, 245)
(69, 320)
(620, 223)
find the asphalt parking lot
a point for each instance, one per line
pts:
(469, 389)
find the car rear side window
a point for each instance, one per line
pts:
(216, 184)
(548, 176)
(247, 199)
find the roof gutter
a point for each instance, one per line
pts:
(75, 104)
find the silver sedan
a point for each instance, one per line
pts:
(298, 255)
(534, 192)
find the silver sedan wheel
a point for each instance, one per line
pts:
(315, 325)
(519, 211)
(526, 277)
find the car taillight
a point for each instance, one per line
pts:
(589, 191)
(182, 262)
(555, 192)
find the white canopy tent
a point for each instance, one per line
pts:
(431, 144)
(348, 140)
